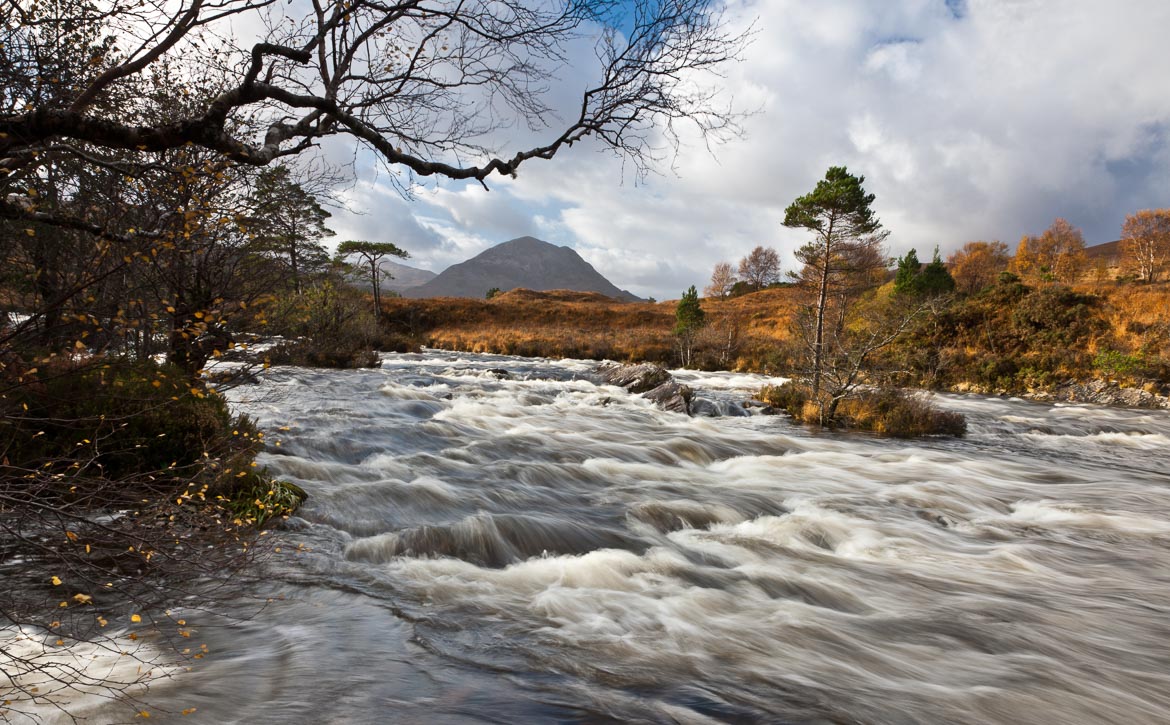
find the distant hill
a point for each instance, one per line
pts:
(404, 276)
(527, 263)
(1110, 251)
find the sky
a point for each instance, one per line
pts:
(970, 120)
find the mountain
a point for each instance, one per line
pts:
(404, 277)
(525, 262)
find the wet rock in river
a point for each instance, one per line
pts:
(639, 378)
(672, 396)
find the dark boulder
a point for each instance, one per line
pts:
(639, 378)
(672, 396)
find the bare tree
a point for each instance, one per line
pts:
(722, 280)
(760, 268)
(424, 84)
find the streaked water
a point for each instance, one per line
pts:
(539, 548)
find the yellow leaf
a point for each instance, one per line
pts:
(56, 581)
(82, 598)
(135, 617)
(79, 345)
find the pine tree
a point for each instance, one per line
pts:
(846, 248)
(371, 255)
(906, 280)
(689, 319)
(289, 224)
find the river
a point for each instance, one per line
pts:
(535, 548)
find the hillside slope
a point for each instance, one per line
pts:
(525, 262)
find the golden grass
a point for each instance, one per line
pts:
(562, 323)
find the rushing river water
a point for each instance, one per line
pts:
(539, 548)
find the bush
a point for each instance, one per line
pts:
(331, 325)
(120, 420)
(892, 413)
(885, 411)
(1117, 364)
(789, 397)
(323, 354)
(260, 500)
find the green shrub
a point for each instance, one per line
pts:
(1117, 364)
(143, 426)
(258, 500)
(120, 420)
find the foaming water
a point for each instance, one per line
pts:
(529, 545)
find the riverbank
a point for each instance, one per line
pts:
(1106, 345)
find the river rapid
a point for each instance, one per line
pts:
(536, 547)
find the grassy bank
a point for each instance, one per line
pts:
(587, 325)
(1009, 337)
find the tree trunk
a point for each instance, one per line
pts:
(377, 290)
(295, 264)
(822, 300)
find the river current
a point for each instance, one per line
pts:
(534, 547)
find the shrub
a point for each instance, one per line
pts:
(260, 500)
(885, 411)
(892, 413)
(110, 435)
(332, 326)
(789, 397)
(323, 354)
(120, 420)
(1117, 364)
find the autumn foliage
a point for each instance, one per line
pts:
(1145, 243)
(1056, 255)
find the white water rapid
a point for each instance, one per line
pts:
(535, 547)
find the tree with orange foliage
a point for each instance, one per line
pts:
(976, 265)
(722, 280)
(1145, 243)
(1057, 255)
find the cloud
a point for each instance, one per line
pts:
(983, 119)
